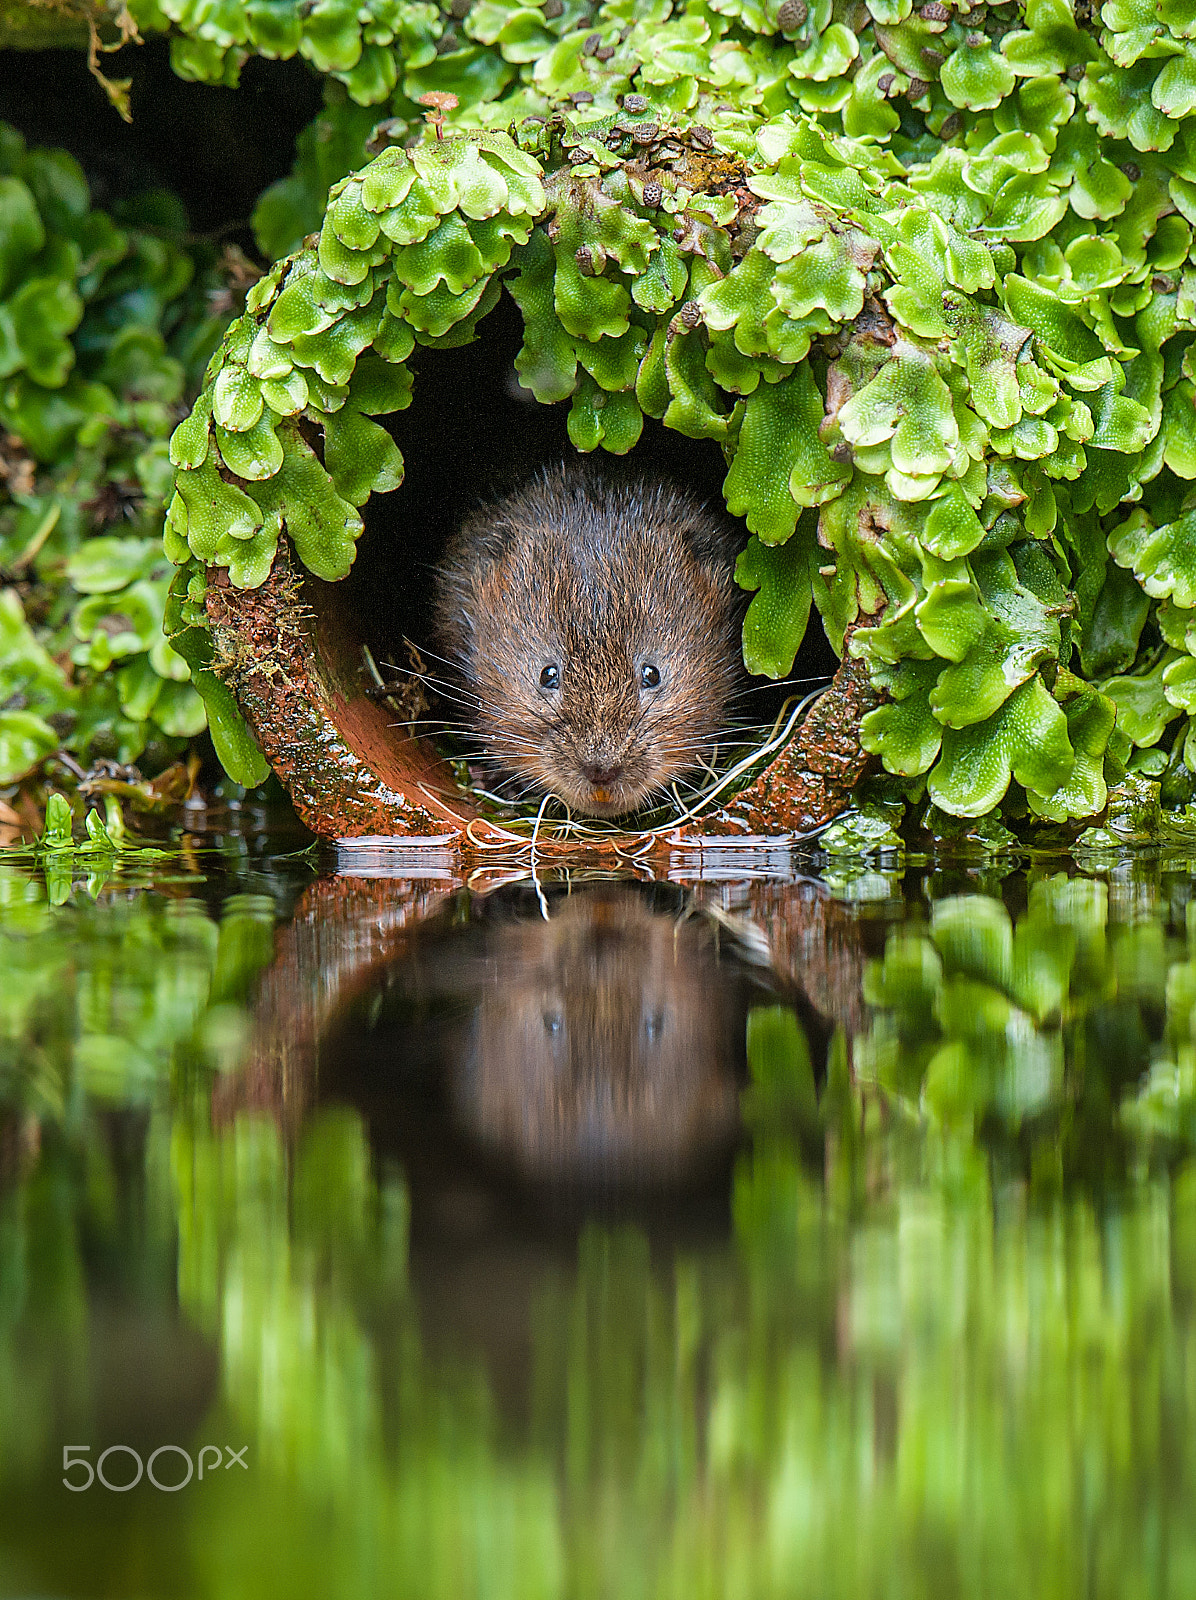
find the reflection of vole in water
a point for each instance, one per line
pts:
(604, 1045)
(594, 626)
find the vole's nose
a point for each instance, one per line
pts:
(602, 774)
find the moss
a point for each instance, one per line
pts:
(925, 275)
(852, 331)
(105, 321)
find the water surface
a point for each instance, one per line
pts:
(597, 1237)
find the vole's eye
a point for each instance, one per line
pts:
(649, 676)
(550, 678)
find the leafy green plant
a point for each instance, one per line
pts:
(365, 47)
(109, 995)
(852, 329)
(925, 274)
(102, 322)
(984, 1019)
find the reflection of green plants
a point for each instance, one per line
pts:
(103, 846)
(984, 1022)
(102, 325)
(939, 320)
(113, 1009)
(101, 1000)
(957, 1351)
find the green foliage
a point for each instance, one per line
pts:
(103, 324)
(367, 47)
(328, 148)
(776, 619)
(867, 832)
(930, 275)
(104, 994)
(407, 252)
(185, 625)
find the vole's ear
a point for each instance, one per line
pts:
(452, 615)
(483, 538)
(461, 573)
(714, 545)
(538, 509)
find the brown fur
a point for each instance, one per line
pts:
(598, 577)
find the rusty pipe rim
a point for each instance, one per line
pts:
(291, 650)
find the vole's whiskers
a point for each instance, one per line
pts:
(760, 686)
(498, 750)
(498, 745)
(453, 665)
(460, 697)
(433, 725)
(454, 686)
(676, 788)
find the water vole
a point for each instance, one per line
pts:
(594, 626)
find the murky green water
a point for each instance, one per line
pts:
(739, 1238)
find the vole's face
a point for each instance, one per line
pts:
(608, 711)
(599, 648)
(607, 747)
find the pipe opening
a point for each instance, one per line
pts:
(471, 433)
